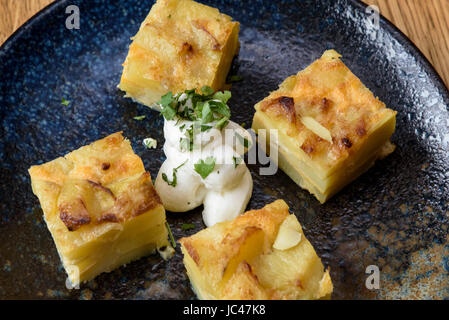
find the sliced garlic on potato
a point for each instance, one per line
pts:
(289, 234)
(316, 127)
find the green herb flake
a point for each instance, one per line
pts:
(223, 96)
(139, 118)
(207, 110)
(234, 78)
(206, 113)
(168, 112)
(65, 102)
(207, 90)
(205, 127)
(222, 123)
(174, 181)
(170, 235)
(170, 183)
(242, 140)
(186, 144)
(237, 161)
(150, 143)
(166, 99)
(220, 108)
(187, 226)
(204, 168)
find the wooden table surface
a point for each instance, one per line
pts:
(425, 22)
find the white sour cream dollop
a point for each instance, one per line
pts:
(225, 192)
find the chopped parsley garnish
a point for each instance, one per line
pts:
(166, 106)
(204, 168)
(223, 122)
(206, 113)
(138, 118)
(237, 161)
(168, 112)
(207, 90)
(65, 102)
(205, 127)
(234, 78)
(174, 181)
(205, 107)
(187, 226)
(186, 144)
(170, 234)
(242, 140)
(220, 108)
(150, 143)
(223, 96)
(166, 99)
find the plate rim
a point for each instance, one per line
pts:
(403, 39)
(410, 48)
(27, 24)
(398, 35)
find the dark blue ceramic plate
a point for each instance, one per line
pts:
(395, 216)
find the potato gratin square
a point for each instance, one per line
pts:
(331, 127)
(262, 254)
(181, 45)
(100, 207)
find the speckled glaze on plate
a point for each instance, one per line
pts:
(395, 216)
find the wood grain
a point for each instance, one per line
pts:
(13, 13)
(425, 22)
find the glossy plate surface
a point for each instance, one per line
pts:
(395, 216)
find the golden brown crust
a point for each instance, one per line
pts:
(74, 214)
(269, 218)
(236, 242)
(104, 182)
(230, 256)
(191, 250)
(202, 25)
(181, 45)
(139, 198)
(99, 186)
(244, 284)
(187, 52)
(333, 96)
(108, 217)
(105, 165)
(284, 106)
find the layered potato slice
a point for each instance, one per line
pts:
(331, 128)
(100, 207)
(181, 45)
(262, 254)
